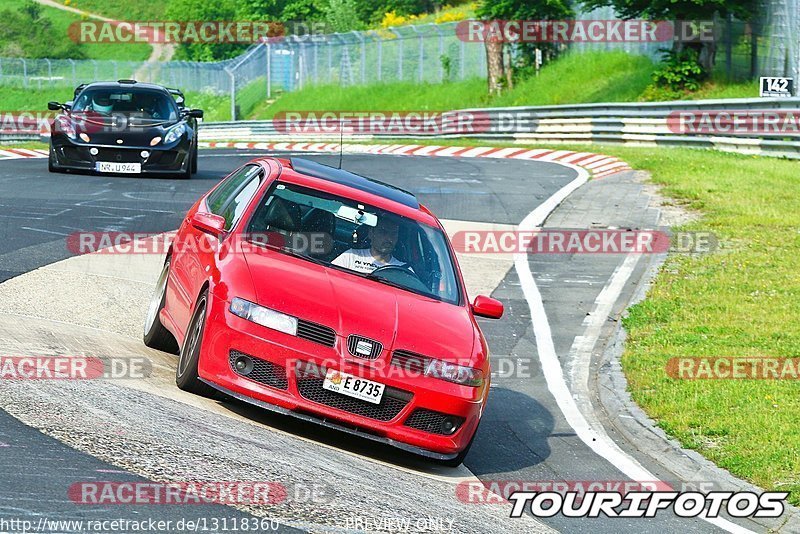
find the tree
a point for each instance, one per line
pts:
(683, 10)
(341, 16)
(219, 10)
(507, 10)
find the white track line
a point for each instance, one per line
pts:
(599, 442)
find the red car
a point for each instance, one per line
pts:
(312, 291)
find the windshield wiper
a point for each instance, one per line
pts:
(398, 286)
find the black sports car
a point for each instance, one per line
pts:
(125, 127)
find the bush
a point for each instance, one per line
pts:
(679, 71)
(27, 33)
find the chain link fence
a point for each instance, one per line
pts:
(426, 53)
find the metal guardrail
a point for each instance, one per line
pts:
(636, 124)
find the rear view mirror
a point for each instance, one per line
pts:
(54, 106)
(196, 113)
(487, 307)
(209, 223)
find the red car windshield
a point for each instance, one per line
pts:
(357, 238)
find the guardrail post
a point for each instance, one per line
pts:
(74, 76)
(49, 71)
(24, 73)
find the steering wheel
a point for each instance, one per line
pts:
(400, 274)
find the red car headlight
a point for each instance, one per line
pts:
(264, 316)
(459, 374)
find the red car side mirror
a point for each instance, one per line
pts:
(209, 223)
(487, 307)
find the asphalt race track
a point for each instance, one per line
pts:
(120, 431)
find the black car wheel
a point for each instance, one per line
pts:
(156, 336)
(194, 159)
(187, 174)
(52, 166)
(186, 376)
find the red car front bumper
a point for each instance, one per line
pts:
(289, 372)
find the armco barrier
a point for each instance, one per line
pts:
(638, 124)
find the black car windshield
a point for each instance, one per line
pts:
(361, 239)
(142, 103)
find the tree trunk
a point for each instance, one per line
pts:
(509, 70)
(494, 64)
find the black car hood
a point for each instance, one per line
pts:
(133, 131)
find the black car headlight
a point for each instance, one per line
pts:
(174, 133)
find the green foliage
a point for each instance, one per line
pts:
(679, 71)
(341, 16)
(25, 32)
(447, 66)
(222, 10)
(678, 9)
(523, 9)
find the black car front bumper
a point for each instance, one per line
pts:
(71, 155)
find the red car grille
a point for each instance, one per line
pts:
(316, 333)
(430, 421)
(410, 362)
(375, 348)
(309, 384)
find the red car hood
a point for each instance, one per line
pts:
(352, 305)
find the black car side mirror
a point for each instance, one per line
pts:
(55, 106)
(196, 113)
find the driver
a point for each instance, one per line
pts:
(383, 238)
(101, 103)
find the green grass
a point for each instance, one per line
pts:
(583, 78)
(141, 10)
(396, 96)
(63, 19)
(740, 302)
(575, 78)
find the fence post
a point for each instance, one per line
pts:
(462, 52)
(316, 59)
(421, 73)
(269, 70)
(380, 56)
(330, 58)
(24, 73)
(74, 76)
(399, 54)
(233, 93)
(441, 50)
(363, 55)
(49, 72)
(729, 46)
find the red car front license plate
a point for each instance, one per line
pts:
(353, 386)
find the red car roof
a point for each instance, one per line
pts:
(289, 174)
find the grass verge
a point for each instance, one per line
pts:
(573, 79)
(61, 21)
